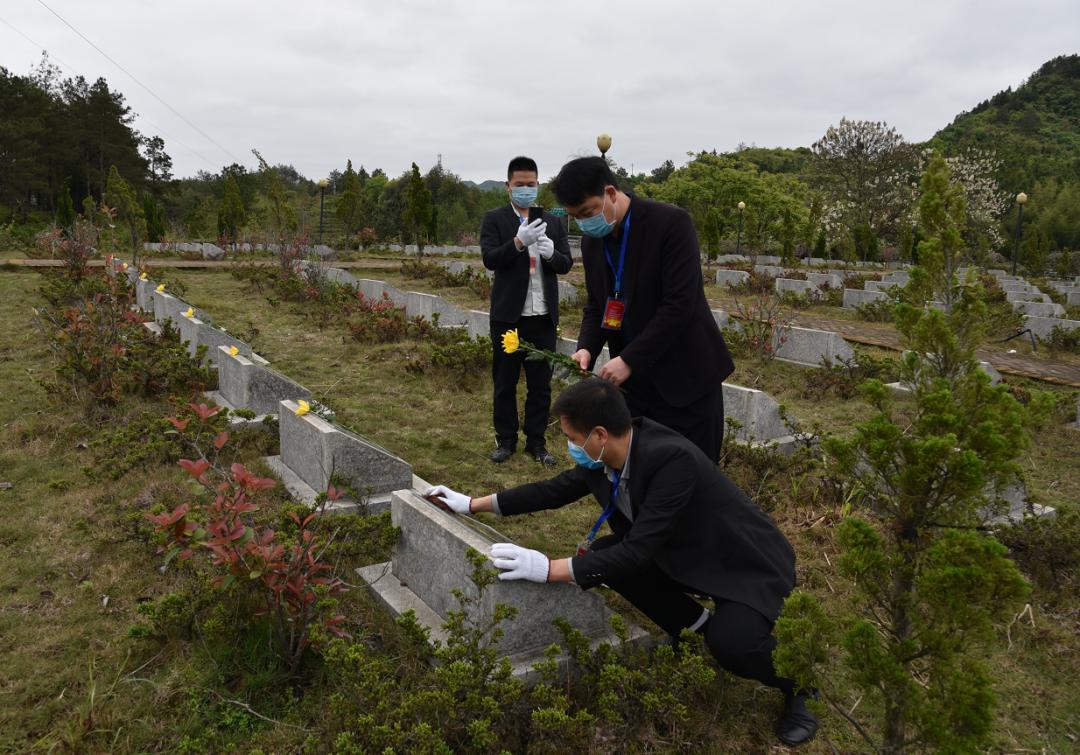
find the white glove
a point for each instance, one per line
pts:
(520, 563)
(455, 501)
(530, 233)
(545, 247)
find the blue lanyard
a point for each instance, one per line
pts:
(608, 510)
(622, 254)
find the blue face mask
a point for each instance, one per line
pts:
(523, 196)
(597, 226)
(577, 453)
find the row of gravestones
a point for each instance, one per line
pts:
(429, 560)
(214, 252)
(1040, 314)
(773, 260)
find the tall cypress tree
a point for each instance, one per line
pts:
(417, 214)
(121, 197)
(349, 203)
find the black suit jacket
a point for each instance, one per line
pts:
(690, 520)
(669, 335)
(511, 265)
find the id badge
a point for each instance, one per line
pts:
(613, 314)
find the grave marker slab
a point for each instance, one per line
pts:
(430, 558)
(418, 304)
(1039, 309)
(756, 411)
(800, 287)
(830, 280)
(244, 383)
(168, 307)
(809, 347)
(194, 332)
(853, 297)
(1043, 326)
(732, 278)
(315, 450)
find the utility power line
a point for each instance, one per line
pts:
(153, 94)
(72, 71)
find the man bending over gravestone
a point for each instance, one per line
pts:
(679, 528)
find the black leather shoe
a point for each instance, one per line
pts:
(542, 455)
(501, 454)
(797, 724)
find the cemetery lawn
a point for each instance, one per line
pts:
(76, 562)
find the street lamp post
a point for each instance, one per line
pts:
(603, 143)
(322, 197)
(1021, 200)
(738, 237)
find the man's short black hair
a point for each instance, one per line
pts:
(521, 163)
(582, 178)
(593, 402)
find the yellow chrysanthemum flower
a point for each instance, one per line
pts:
(142, 276)
(124, 266)
(161, 288)
(510, 341)
(189, 312)
(233, 351)
(302, 408)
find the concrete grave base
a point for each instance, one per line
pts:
(307, 495)
(223, 402)
(397, 598)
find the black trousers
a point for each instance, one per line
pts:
(539, 331)
(701, 422)
(739, 637)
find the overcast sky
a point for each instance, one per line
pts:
(389, 82)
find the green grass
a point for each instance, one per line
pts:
(68, 541)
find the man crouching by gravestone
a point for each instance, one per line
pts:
(526, 248)
(679, 528)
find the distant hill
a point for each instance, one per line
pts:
(491, 185)
(1035, 130)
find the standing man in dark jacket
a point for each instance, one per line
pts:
(680, 528)
(646, 301)
(526, 257)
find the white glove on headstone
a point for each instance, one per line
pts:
(545, 247)
(528, 234)
(520, 563)
(457, 502)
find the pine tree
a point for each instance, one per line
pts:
(928, 585)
